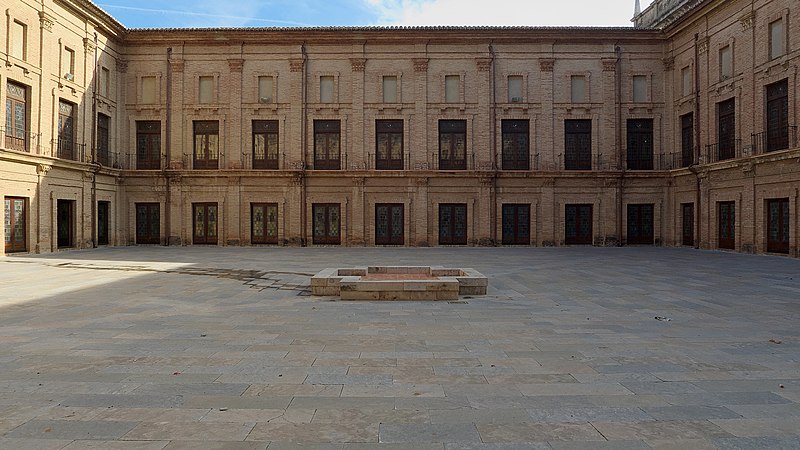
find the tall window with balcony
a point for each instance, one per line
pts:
(777, 39)
(640, 144)
(578, 144)
(16, 117)
(778, 130)
(19, 40)
(206, 144)
(389, 144)
(265, 144)
(66, 131)
(516, 144)
(726, 132)
(148, 144)
(103, 151)
(327, 145)
(453, 145)
(687, 139)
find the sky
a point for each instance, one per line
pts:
(279, 13)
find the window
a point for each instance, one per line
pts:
(778, 225)
(452, 144)
(68, 64)
(640, 224)
(515, 89)
(16, 116)
(206, 92)
(148, 223)
(149, 91)
(726, 113)
(264, 223)
(516, 224)
(206, 144)
(19, 37)
(778, 116)
(687, 140)
(266, 86)
(516, 144)
(326, 223)
(204, 223)
(66, 130)
(640, 144)
(389, 224)
(389, 144)
(687, 211)
(777, 39)
(148, 144)
(265, 144)
(725, 62)
(326, 89)
(727, 225)
(15, 221)
(578, 88)
(105, 82)
(451, 88)
(103, 153)
(639, 88)
(578, 144)
(390, 89)
(578, 224)
(686, 81)
(452, 224)
(327, 145)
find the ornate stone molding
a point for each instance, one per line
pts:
(296, 179)
(421, 65)
(669, 62)
(176, 65)
(122, 65)
(609, 64)
(359, 181)
(546, 64)
(421, 181)
(747, 20)
(235, 65)
(88, 45)
(702, 45)
(549, 182)
(486, 182)
(484, 64)
(46, 21)
(42, 169)
(296, 65)
(358, 64)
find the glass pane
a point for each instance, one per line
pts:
(259, 150)
(265, 88)
(155, 220)
(319, 221)
(258, 221)
(515, 88)
(326, 89)
(333, 227)
(460, 147)
(776, 38)
(199, 221)
(397, 146)
(19, 120)
(639, 88)
(397, 221)
(199, 147)
(774, 220)
(212, 221)
(725, 63)
(577, 86)
(460, 222)
(585, 222)
(333, 146)
(382, 219)
(444, 146)
(272, 146)
(445, 218)
(451, 88)
(508, 223)
(383, 146)
(389, 89)
(213, 146)
(523, 221)
(272, 221)
(7, 221)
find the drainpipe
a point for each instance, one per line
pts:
(303, 144)
(620, 155)
(696, 124)
(493, 140)
(167, 151)
(95, 164)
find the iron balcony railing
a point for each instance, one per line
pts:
(724, 150)
(774, 140)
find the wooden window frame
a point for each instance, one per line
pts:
(148, 133)
(389, 131)
(268, 131)
(325, 130)
(578, 144)
(205, 129)
(452, 129)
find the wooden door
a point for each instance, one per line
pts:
(727, 225)
(16, 227)
(102, 222)
(578, 224)
(205, 223)
(778, 225)
(264, 223)
(640, 224)
(389, 224)
(516, 224)
(452, 224)
(326, 223)
(687, 211)
(65, 223)
(148, 223)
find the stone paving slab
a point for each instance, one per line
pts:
(222, 348)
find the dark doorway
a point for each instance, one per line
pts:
(16, 227)
(205, 223)
(65, 223)
(578, 224)
(640, 224)
(516, 224)
(687, 212)
(727, 225)
(778, 116)
(102, 222)
(148, 223)
(778, 225)
(389, 224)
(327, 221)
(452, 224)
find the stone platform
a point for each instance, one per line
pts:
(398, 283)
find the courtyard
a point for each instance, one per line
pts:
(572, 348)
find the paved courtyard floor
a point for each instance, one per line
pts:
(223, 348)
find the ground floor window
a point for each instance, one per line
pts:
(687, 211)
(778, 225)
(640, 224)
(516, 224)
(16, 228)
(102, 222)
(389, 224)
(264, 223)
(452, 224)
(578, 224)
(148, 223)
(65, 223)
(727, 224)
(326, 223)
(204, 223)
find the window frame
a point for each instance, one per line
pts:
(18, 140)
(511, 131)
(66, 143)
(205, 129)
(103, 139)
(640, 133)
(575, 134)
(269, 131)
(452, 129)
(389, 128)
(148, 129)
(327, 128)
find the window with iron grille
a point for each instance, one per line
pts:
(148, 144)
(327, 145)
(389, 144)
(452, 144)
(726, 113)
(16, 116)
(103, 152)
(66, 130)
(778, 116)
(640, 144)
(578, 144)
(687, 139)
(265, 144)
(206, 144)
(516, 144)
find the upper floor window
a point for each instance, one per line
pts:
(390, 89)
(327, 145)
(639, 88)
(103, 144)
(516, 142)
(266, 86)
(515, 88)
(148, 144)
(19, 40)
(206, 90)
(452, 88)
(726, 132)
(578, 144)
(777, 39)
(66, 130)
(16, 116)
(105, 82)
(206, 144)
(577, 88)
(725, 62)
(149, 90)
(68, 64)
(640, 144)
(389, 144)
(326, 85)
(687, 139)
(453, 144)
(265, 144)
(686, 81)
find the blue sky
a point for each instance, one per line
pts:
(264, 13)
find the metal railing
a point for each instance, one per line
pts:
(725, 150)
(774, 140)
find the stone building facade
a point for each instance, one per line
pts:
(678, 131)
